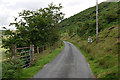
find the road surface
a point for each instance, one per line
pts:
(70, 63)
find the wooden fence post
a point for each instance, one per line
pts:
(46, 46)
(38, 49)
(56, 45)
(43, 48)
(32, 54)
(14, 51)
(49, 46)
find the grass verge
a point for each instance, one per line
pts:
(42, 59)
(102, 57)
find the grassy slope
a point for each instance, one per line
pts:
(42, 59)
(103, 57)
(86, 20)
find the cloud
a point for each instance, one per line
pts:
(10, 8)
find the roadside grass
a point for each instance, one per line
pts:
(41, 59)
(102, 57)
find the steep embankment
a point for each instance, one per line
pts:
(85, 21)
(103, 57)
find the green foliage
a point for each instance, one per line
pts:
(10, 68)
(111, 16)
(41, 61)
(38, 27)
(86, 20)
(70, 32)
(100, 56)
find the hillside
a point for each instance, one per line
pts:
(86, 20)
(102, 57)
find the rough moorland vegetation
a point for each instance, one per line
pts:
(85, 21)
(103, 57)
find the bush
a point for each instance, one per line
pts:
(10, 68)
(111, 16)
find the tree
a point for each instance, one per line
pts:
(38, 27)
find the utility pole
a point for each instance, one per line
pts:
(96, 21)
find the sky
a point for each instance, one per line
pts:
(10, 8)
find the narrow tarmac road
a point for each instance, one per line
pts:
(70, 63)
